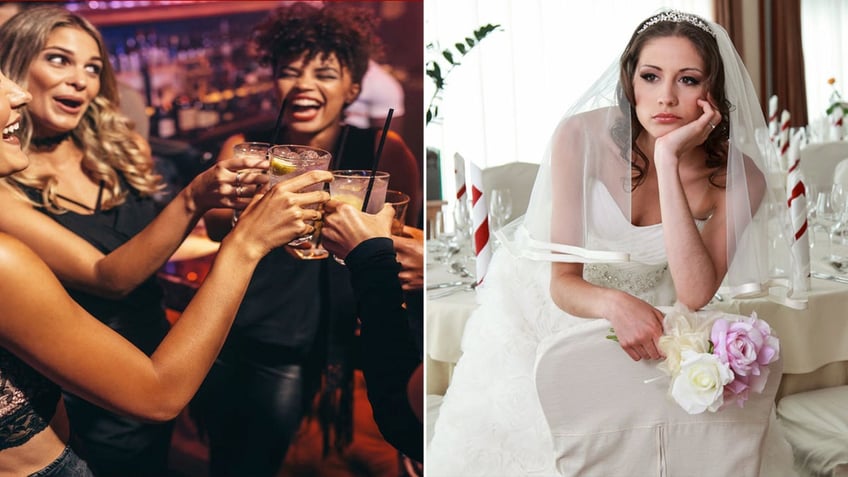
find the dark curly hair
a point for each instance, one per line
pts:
(346, 31)
(705, 43)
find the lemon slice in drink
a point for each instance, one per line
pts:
(349, 199)
(281, 168)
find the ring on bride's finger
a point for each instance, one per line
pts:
(238, 179)
(712, 125)
(239, 190)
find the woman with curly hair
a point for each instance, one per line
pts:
(48, 340)
(298, 316)
(86, 206)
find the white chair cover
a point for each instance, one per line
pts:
(518, 177)
(819, 160)
(816, 424)
(609, 422)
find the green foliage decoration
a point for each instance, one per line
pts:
(446, 60)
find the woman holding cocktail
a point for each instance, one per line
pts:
(298, 317)
(48, 341)
(86, 206)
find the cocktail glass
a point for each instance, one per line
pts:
(289, 161)
(351, 186)
(248, 150)
(400, 202)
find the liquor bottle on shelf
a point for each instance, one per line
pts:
(186, 114)
(165, 122)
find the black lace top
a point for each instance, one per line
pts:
(27, 401)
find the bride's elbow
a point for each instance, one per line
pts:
(694, 299)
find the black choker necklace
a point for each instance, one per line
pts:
(51, 141)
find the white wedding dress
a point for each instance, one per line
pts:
(490, 422)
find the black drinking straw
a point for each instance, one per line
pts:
(279, 123)
(377, 159)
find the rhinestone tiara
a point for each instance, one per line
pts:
(676, 17)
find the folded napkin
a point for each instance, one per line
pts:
(783, 140)
(459, 176)
(799, 232)
(773, 125)
(479, 221)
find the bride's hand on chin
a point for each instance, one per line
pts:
(669, 148)
(637, 325)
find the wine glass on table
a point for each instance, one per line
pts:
(500, 208)
(838, 258)
(824, 220)
(462, 223)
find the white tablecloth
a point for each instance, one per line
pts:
(814, 342)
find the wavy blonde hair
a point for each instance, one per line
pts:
(105, 135)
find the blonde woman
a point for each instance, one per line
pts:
(48, 341)
(86, 207)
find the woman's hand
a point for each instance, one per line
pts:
(670, 147)
(345, 227)
(231, 183)
(282, 214)
(637, 325)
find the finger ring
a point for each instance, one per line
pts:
(712, 125)
(239, 189)
(238, 179)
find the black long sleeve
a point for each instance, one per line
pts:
(389, 354)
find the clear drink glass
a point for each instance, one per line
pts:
(351, 186)
(248, 150)
(400, 202)
(500, 207)
(287, 161)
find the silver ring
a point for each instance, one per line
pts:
(711, 125)
(239, 189)
(238, 179)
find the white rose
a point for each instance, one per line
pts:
(700, 383)
(674, 346)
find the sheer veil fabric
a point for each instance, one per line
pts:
(584, 150)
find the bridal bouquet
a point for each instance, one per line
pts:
(715, 358)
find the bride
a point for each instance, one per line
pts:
(653, 191)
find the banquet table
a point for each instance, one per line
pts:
(814, 341)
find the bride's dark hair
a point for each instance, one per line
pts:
(705, 43)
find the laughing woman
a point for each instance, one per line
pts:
(86, 206)
(48, 341)
(264, 379)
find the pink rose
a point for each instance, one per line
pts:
(747, 346)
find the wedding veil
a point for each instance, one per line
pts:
(585, 151)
